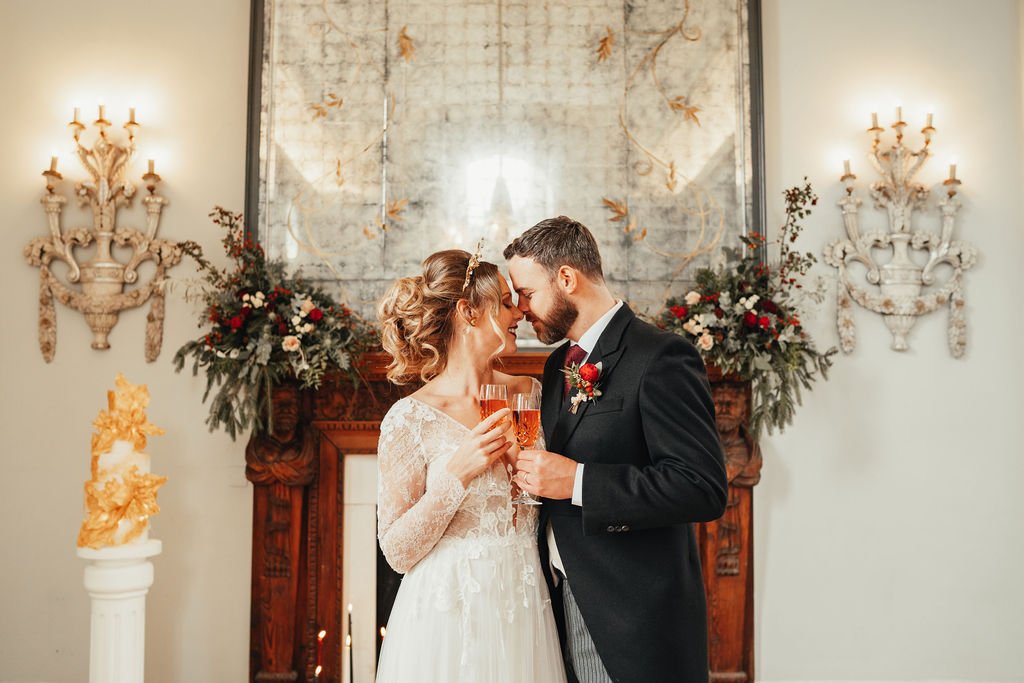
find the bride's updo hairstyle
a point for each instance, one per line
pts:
(417, 314)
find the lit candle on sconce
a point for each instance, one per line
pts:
(151, 167)
(103, 112)
(874, 119)
(131, 115)
(75, 119)
(53, 164)
(952, 170)
(928, 121)
(899, 114)
(846, 167)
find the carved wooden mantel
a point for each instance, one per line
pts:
(297, 474)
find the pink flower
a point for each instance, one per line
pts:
(291, 343)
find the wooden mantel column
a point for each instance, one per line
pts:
(298, 475)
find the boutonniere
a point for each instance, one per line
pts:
(583, 380)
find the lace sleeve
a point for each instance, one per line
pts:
(413, 508)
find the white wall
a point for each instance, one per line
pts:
(182, 64)
(889, 519)
(888, 526)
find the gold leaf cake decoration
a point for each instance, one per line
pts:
(120, 496)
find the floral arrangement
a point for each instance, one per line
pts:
(744, 318)
(583, 380)
(265, 327)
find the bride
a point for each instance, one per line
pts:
(473, 605)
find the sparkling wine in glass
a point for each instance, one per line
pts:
(526, 421)
(493, 397)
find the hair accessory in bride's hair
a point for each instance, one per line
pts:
(474, 261)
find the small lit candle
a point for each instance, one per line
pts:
(152, 165)
(53, 164)
(899, 114)
(103, 112)
(952, 171)
(75, 119)
(131, 114)
(348, 644)
(846, 167)
(928, 121)
(874, 119)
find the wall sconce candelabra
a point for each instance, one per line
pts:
(101, 294)
(904, 287)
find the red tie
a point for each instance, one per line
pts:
(576, 354)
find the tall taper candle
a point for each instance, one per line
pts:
(152, 165)
(846, 167)
(874, 119)
(103, 112)
(952, 171)
(928, 121)
(351, 668)
(75, 120)
(131, 114)
(899, 114)
(53, 164)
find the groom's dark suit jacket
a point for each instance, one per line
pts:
(653, 466)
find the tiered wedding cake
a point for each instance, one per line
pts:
(121, 495)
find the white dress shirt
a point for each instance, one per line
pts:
(587, 342)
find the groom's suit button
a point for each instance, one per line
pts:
(624, 527)
(611, 529)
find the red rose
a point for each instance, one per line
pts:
(316, 315)
(719, 313)
(679, 311)
(764, 322)
(750, 319)
(236, 322)
(589, 372)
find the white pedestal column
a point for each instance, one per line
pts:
(118, 579)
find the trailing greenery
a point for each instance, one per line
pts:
(264, 327)
(745, 318)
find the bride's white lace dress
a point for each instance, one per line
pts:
(473, 606)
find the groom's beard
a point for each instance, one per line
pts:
(556, 324)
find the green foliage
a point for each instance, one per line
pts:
(263, 327)
(744, 318)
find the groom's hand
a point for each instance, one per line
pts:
(543, 473)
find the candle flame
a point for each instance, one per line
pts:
(321, 635)
(350, 608)
(383, 631)
(318, 670)
(348, 640)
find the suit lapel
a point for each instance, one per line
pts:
(551, 398)
(607, 351)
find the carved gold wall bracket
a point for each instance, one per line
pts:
(96, 287)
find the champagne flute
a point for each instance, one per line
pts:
(493, 397)
(526, 419)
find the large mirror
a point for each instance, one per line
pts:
(382, 131)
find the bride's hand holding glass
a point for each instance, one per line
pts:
(484, 444)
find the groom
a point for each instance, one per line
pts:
(625, 475)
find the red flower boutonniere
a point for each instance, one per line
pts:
(583, 380)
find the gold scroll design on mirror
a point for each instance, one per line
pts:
(698, 202)
(297, 217)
